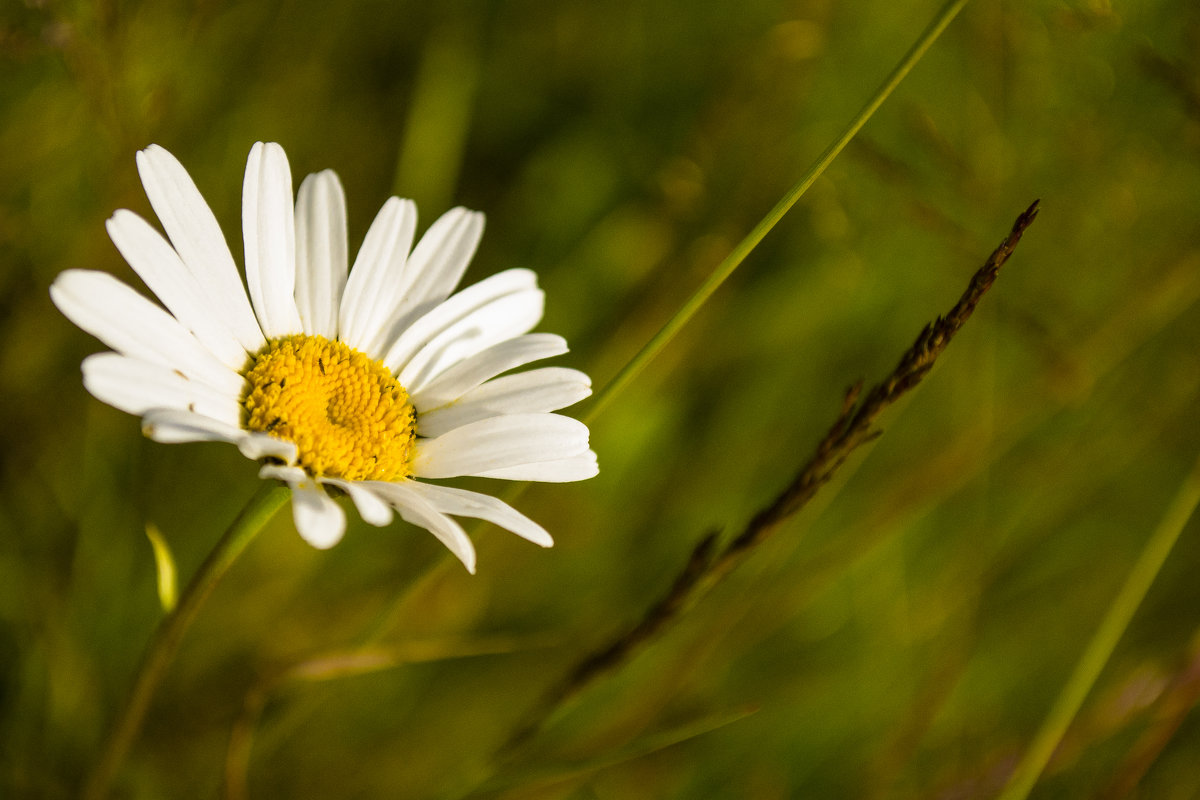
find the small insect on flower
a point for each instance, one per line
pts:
(371, 379)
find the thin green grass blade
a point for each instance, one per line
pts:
(164, 568)
(732, 261)
(1104, 641)
(544, 776)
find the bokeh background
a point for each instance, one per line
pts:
(903, 637)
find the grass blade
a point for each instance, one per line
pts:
(164, 568)
(1104, 641)
(732, 261)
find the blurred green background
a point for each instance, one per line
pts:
(903, 638)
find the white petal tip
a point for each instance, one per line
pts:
(319, 520)
(322, 540)
(324, 534)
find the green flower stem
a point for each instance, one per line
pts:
(747, 245)
(1104, 641)
(167, 637)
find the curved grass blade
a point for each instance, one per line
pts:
(164, 568)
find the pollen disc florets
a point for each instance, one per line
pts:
(346, 413)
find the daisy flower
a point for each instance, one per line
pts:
(367, 380)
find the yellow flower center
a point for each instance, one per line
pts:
(346, 413)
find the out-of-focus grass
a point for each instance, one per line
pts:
(905, 639)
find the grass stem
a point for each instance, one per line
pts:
(1105, 639)
(167, 637)
(732, 261)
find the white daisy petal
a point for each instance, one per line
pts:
(539, 390)
(442, 255)
(416, 510)
(130, 324)
(197, 237)
(160, 267)
(321, 252)
(268, 227)
(499, 442)
(377, 280)
(371, 507)
(289, 475)
(463, 503)
(429, 326)
(256, 446)
(464, 376)
(503, 318)
(564, 470)
(545, 389)
(436, 265)
(174, 426)
(319, 520)
(135, 386)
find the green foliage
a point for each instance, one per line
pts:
(904, 637)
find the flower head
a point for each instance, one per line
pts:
(367, 379)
